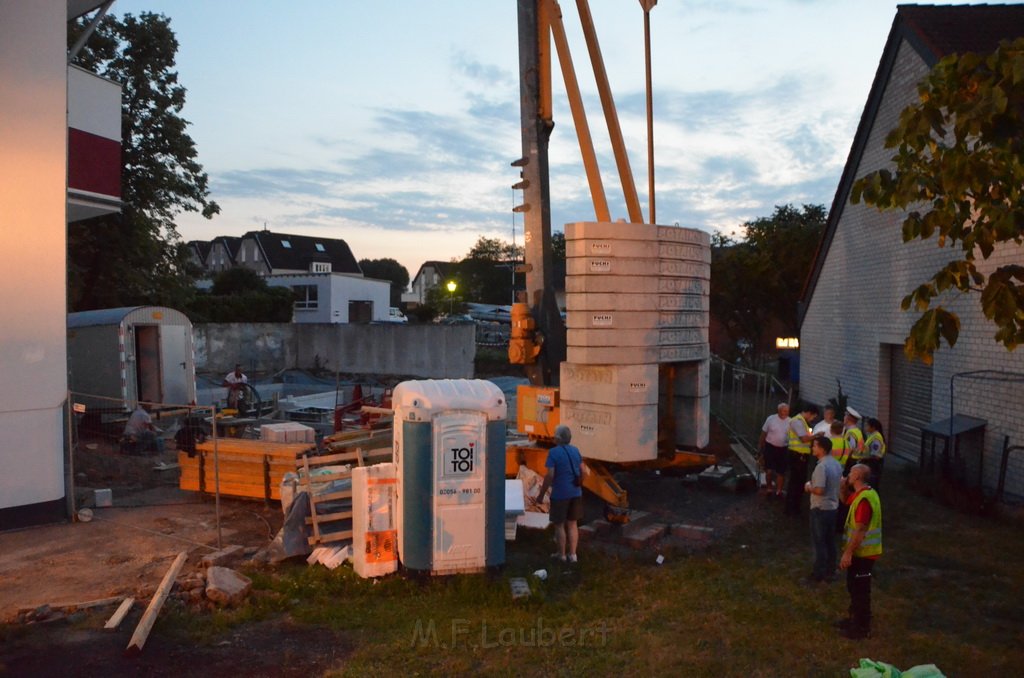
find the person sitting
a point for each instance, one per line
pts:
(141, 432)
(234, 381)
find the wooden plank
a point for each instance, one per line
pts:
(329, 477)
(85, 605)
(138, 640)
(327, 517)
(360, 433)
(327, 459)
(236, 490)
(333, 536)
(119, 614)
(255, 448)
(312, 502)
(342, 494)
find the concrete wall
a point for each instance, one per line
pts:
(427, 351)
(854, 320)
(33, 203)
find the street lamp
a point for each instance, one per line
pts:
(451, 295)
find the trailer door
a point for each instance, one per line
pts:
(147, 363)
(176, 349)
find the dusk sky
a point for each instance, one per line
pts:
(392, 124)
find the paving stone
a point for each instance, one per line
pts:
(225, 556)
(225, 586)
(691, 532)
(641, 536)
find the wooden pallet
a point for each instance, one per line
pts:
(349, 449)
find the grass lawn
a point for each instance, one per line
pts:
(947, 591)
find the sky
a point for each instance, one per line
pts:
(391, 125)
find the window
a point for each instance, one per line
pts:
(306, 296)
(286, 244)
(320, 247)
(242, 252)
(320, 266)
(255, 253)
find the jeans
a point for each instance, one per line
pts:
(823, 539)
(858, 583)
(797, 478)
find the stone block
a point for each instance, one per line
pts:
(597, 301)
(639, 536)
(692, 417)
(603, 230)
(636, 284)
(642, 249)
(601, 525)
(609, 384)
(225, 586)
(636, 355)
(634, 320)
(612, 432)
(643, 337)
(226, 555)
(606, 266)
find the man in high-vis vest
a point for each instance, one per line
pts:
(799, 439)
(854, 438)
(863, 546)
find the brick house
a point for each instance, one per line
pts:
(852, 327)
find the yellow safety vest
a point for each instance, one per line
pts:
(875, 437)
(795, 444)
(839, 449)
(872, 544)
(855, 444)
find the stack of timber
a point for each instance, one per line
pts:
(330, 488)
(247, 468)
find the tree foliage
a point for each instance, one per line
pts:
(240, 295)
(137, 256)
(959, 175)
(756, 281)
(387, 269)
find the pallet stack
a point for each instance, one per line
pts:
(247, 468)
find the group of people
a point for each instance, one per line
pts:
(843, 489)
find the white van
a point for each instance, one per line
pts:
(395, 315)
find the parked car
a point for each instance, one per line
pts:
(457, 319)
(395, 315)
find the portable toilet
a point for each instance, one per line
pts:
(450, 454)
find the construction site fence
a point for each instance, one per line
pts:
(742, 397)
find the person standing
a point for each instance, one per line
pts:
(863, 546)
(233, 381)
(774, 449)
(854, 438)
(799, 440)
(824, 490)
(839, 450)
(824, 427)
(874, 450)
(565, 478)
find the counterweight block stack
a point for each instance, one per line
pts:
(637, 376)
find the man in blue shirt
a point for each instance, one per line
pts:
(565, 478)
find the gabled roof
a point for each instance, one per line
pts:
(933, 32)
(230, 243)
(201, 248)
(439, 266)
(295, 252)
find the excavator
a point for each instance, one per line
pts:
(538, 335)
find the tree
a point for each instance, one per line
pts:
(959, 173)
(756, 281)
(387, 269)
(240, 295)
(485, 274)
(136, 256)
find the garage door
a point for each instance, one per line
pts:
(910, 403)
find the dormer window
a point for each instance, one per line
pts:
(320, 267)
(286, 244)
(320, 247)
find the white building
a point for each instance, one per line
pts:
(852, 326)
(336, 297)
(59, 161)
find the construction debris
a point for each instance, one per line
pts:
(330, 556)
(119, 614)
(520, 588)
(149, 616)
(226, 586)
(225, 556)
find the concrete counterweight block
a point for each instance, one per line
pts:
(609, 384)
(637, 355)
(643, 338)
(597, 230)
(613, 432)
(693, 416)
(601, 301)
(636, 284)
(634, 320)
(605, 266)
(690, 379)
(697, 255)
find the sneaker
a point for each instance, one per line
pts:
(572, 558)
(558, 556)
